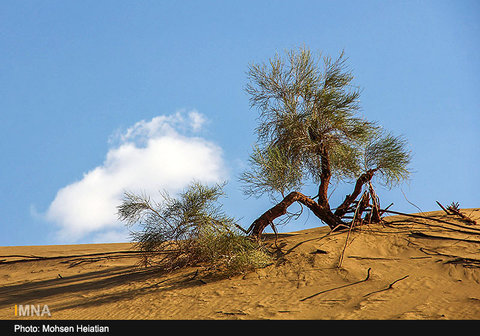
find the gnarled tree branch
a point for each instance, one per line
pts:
(364, 178)
(322, 212)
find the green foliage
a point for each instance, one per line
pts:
(231, 251)
(309, 114)
(389, 156)
(189, 230)
(272, 171)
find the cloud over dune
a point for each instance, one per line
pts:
(161, 154)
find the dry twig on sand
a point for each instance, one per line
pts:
(454, 209)
(331, 289)
(27, 258)
(350, 229)
(432, 219)
(390, 286)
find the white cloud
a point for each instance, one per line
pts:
(196, 120)
(149, 156)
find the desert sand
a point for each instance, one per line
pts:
(407, 268)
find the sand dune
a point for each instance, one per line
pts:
(405, 269)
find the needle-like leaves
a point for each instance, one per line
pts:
(189, 229)
(309, 109)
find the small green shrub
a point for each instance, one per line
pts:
(190, 230)
(232, 251)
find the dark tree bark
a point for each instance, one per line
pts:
(321, 209)
(324, 213)
(375, 214)
(364, 178)
(361, 206)
(325, 177)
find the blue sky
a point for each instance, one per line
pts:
(90, 89)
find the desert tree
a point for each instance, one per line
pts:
(310, 129)
(189, 229)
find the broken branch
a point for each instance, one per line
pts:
(430, 218)
(389, 286)
(331, 289)
(443, 208)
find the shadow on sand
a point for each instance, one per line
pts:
(97, 287)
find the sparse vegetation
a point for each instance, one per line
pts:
(311, 131)
(191, 229)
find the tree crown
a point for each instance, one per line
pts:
(309, 122)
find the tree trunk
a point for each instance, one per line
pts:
(375, 205)
(364, 178)
(320, 209)
(362, 205)
(280, 209)
(325, 176)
